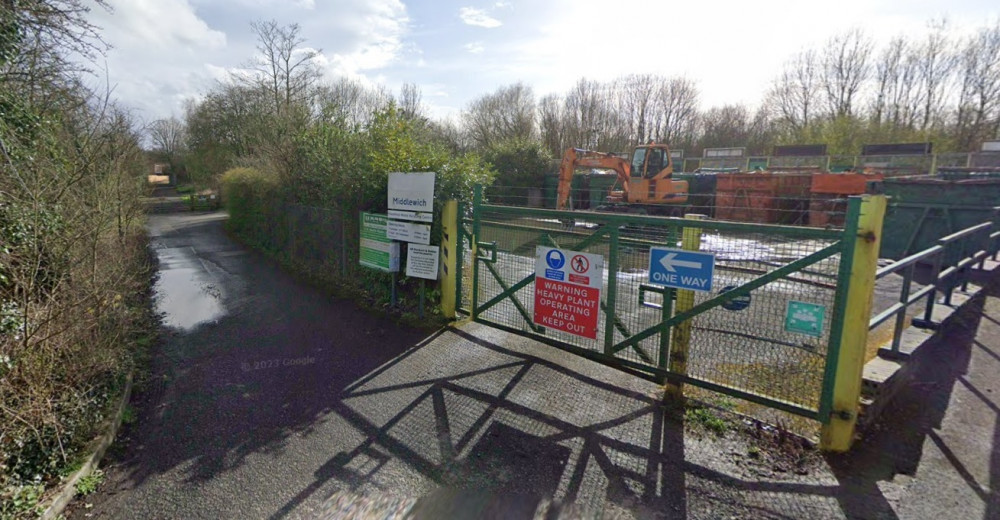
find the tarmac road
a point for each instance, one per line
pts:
(236, 416)
(269, 399)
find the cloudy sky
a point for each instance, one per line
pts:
(165, 51)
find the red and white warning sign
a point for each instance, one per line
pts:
(568, 290)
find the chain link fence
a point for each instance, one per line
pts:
(746, 346)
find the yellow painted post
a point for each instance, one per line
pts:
(449, 255)
(681, 336)
(838, 433)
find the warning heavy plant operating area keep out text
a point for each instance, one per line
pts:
(568, 290)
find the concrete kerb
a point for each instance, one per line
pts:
(884, 377)
(62, 498)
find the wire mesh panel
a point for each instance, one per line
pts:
(752, 347)
(321, 239)
(744, 345)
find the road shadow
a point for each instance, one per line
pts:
(495, 452)
(523, 437)
(894, 445)
(266, 369)
(476, 427)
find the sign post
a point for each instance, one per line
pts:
(568, 290)
(422, 262)
(377, 250)
(410, 197)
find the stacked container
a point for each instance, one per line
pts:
(829, 192)
(763, 197)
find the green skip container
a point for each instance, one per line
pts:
(923, 209)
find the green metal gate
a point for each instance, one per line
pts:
(747, 352)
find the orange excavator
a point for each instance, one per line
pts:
(646, 183)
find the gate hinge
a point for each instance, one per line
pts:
(868, 236)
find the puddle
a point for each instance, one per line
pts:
(186, 295)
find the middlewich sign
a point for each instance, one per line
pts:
(411, 196)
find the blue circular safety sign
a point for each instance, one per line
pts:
(738, 303)
(555, 259)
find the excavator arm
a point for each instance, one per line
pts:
(577, 158)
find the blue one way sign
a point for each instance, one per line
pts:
(681, 269)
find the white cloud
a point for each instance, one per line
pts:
(167, 51)
(158, 48)
(158, 24)
(475, 47)
(733, 62)
(501, 5)
(379, 28)
(478, 18)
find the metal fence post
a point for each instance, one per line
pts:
(449, 255)
(849, 331)
(343, 246)
(681, 335)
(666, 312)
(612, 297)
(477, 201)
(460, 256)
(987, 245)
(292, 242)
(904, 298)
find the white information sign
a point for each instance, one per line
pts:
(422, 261)
(411, 192)
(408, 232)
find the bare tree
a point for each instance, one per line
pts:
(411, 101)
(888, 70)
(678, 104)
(978, 114)
(726, 126)
(550, 124)
(168, 136)
(591, 119)
(283, 66)
(846, 66)
(794, 98)
(350, 102)
(936, 62)
(508, 113)
(637, 96)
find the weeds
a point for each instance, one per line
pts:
(707, 419)
(128, 415)
(89, 484)
(21, 501)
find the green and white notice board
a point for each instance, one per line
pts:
(805, 318)
(377, 250)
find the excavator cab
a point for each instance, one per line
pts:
(648, 161)
(650, 181)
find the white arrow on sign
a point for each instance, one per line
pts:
(669, 263)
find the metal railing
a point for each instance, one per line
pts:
(943, 279)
